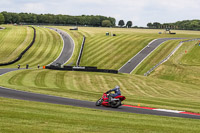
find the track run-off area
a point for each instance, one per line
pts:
(127, 68)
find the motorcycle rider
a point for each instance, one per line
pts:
(117, 92)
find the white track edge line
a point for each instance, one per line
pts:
(170, 111)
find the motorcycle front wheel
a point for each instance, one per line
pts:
(99, 102)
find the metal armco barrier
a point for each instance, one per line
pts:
(81, 52)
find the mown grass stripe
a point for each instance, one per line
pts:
(60, 80)
(40, 79)
(14, 37)
(96, 53)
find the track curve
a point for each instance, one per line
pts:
(67, 50)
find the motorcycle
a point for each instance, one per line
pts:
(115, 102)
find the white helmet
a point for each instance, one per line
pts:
(117, 87)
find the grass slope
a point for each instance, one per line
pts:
(182, 67)
(46, 49)
(24, 116)
(90, 86)
(13, 40)
(158, 55)
(113, 52)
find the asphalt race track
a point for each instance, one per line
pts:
(137, 59)
(3, 71)
(22, 95)
(9, 93)
(68, 48)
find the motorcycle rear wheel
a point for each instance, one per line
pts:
(115, 104)
(99, 102)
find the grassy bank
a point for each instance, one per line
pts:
(112, 52)
(182, 67)
(46, 49)
(13, 40)
(24, 116)
(158, 55)
(147, 91)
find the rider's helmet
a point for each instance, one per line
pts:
(117, 87)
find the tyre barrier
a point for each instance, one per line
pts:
(82, 68)
(23, 52)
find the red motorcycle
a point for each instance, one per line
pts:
(115, 102)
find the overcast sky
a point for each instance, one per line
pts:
(140, 12)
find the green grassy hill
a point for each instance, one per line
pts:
(46, 49)
(13, 40)
(24, 116)
(158, 55)
(173, 85)
(111, 52)
(150, 92)
(182, 67)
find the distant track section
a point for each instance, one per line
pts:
(67, 50)
(132, 64)
(20, 56)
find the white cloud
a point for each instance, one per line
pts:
(139, 11)
(32, 7)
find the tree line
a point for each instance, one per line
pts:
(31, 18)
(179, 25)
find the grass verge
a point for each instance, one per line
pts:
(147, 91)
(24, 116)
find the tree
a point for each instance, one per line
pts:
(7, 17)
(150, 25)
(156, 25)
(121, 23)
(106, 23)
(129, 24)
(2, 19)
